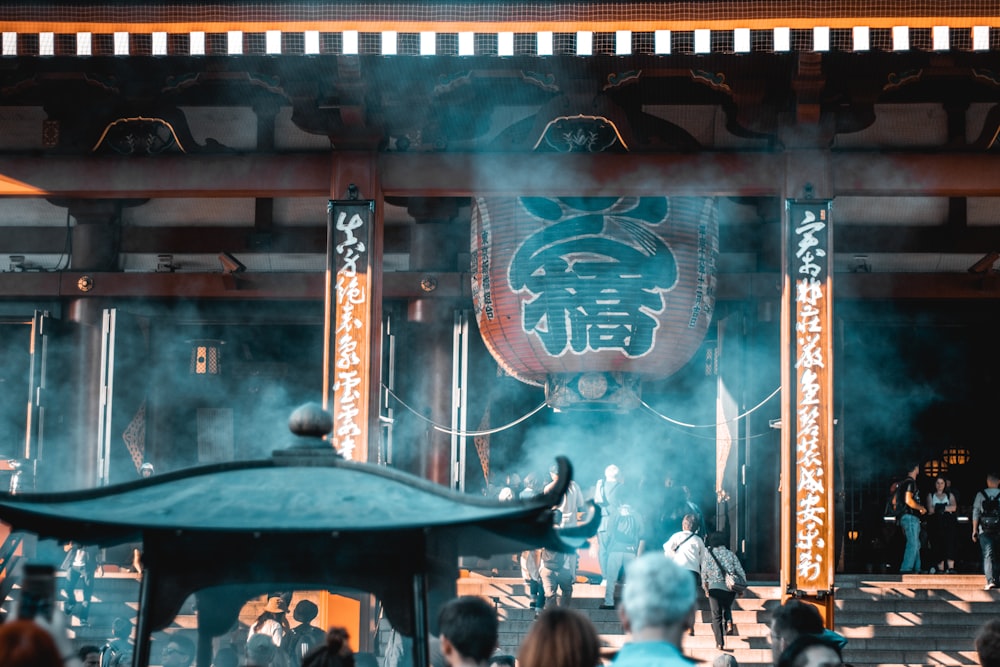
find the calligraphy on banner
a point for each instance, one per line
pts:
(810, 259)
(350, 231)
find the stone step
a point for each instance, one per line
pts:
(897, 633)
(930, 623)
(967, 594)
(910, 657)
(913, 581)
(917, 607)
(956, 642)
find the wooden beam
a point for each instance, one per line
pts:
(873, 174)
(402, 174)
(27, 240)
(287, 175)
(551, 174)
(733, 238)
(40, 286)
(497, 174)
(870, 238)
(868, 286)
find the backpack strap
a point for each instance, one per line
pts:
(679, 544)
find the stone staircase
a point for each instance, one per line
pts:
(116, 594)
(889, 620)
(920, 619)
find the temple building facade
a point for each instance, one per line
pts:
(744, 251)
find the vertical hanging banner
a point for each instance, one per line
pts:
(810, 263)
(347, 335)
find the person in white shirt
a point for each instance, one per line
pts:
(558, 570)
(686, 549)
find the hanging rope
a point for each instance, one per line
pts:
(728, 421)
(445, 429)
(649, 408)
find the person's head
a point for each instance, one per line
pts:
(121, 628)
(506, 494)
(689, 522)
(146, 470)
(992, 480)
(502, 660)
(988, 643)
(226, 657)
(260, 650)
(89, 655)
(725, 660)
(335, 651)
(913, 469)
(716, 539)
(531, 481)
(560, 637)
(811, 650)
(790, 621)
(940, 484)
(275, 605)
(305, 611)
(25, 643)
(658, 595)
(611, 473)
(554, 471)
(178, 651)
(468, 628)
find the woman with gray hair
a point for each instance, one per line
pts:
(657, 608)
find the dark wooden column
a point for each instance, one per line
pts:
(808, 553)
(95, 239)
(428, 355)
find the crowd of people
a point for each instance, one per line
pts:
(652, 568)
(930, 524)
(39, 642)
(657, 608)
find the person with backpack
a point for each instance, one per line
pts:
(305, 636)
(117, 651)
(624, 542)
(908, 512)
(986, 526)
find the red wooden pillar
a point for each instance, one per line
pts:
(807, 473)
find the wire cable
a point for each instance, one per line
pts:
(728, 421)
(498, 429)
(67, 251)
(445, 429)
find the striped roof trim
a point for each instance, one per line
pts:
(232, 42)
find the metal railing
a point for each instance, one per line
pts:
(9, 560)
